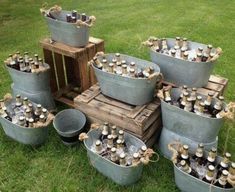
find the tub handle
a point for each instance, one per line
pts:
(218, 53)
(156, 74)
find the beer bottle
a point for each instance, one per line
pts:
(26, 56)
(22, 66)
(30, 106)
(211, 157)
(208, 50)
(122, 159)
(199, 153)
(74, 19)
(184, 155)
(6, 114)
(177, 41)
(27, 67)
(205, 57)
(114, 133)
(22, 121)
(105, 64)
(136, 159)
(40, 61)
(124, 70)
(199, 57)
(222, 181)
(167, 96)
(156, 45)
(98, 147)
(193, 96)
(211, 56)
(197, 103)
(105, 131)
(182, 51)
(232, 174)
(185, 56)
(200, 110)
(111, 68)
(118, 57)
(75, 14)
(173, 52)
(218, 106)
(83, 17)
(30, 123)
(114, 157)
(12, 62)
(37, 112)
(69, 18)
(185, 43)
(142, 150)
(110, 142)
(184, 100)
(28, 115)
(121, 137)
(164, 44)
(25, 103)
(185, 87)
(132, 65)
(187, 169)
(132, 72)
(42, 118)
(224, 164)
(209, 178)
(119, 66)
(97, 63)
(208, 102)
(188, 105)
(120, 147)
(199, 50)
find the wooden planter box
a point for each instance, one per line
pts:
(69, 65)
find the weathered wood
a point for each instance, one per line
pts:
(60, 70)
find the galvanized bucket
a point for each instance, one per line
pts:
(43, 97)
(33, 82)
(69, 124)
(25, 135)
(188, 183)
(182, 72)
(67, 33)
(134, 91)
(198, 128)
(119, 174)
(168, 136)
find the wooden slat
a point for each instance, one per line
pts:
(204, 91)
(214, 86)
(48, 58)
(218, 79)
(60, 70)
(66, 101)
(71, 76)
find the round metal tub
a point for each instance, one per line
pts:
(182, 72)
(119, 174)
(69, 124)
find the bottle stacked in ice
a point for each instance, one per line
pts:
(74, 16)
(190, 101)
(207, 167)
(181, 50)
(113, 146)
(25, 63)
(22, 112)
(121, 67)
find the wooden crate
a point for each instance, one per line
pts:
(216, 85)
(142, 121)
(69, 66)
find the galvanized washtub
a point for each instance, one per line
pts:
(65, 32)
(69, 124)
(119, 174)
(190, 125)
(25, 135)
(188, 183)
(35, 86)
(167, 136)
(182, 72)
(134, 91)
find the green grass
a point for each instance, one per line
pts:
(124, 25)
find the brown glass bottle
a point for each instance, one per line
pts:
(114, 133)
(211, 157)
(199, 156)
(197, 103)
(114, 157)
(184, 100)
(224, 164)
(209, 178)
(184, 154)
(167, 96)
(105, 131)
(222, 181)
(187, 169)
(218, 106)
(208, 102)
(184, 89)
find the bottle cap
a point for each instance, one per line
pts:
(225, 173)
(98, 142)
(185, 147)
(114, 127)
(202, 104)
(117, 54)
(143, 148)
(122, 155)
(210, 94)
(104, 60)
(185, 39)
(228, 155)
(200, 49)
(176, 47)
(233, 165)
(209, 46)
(124, 66)
(177, 38)
(213, 149)
(173, 51)
(31, 120)
(22, 118)
(44, 110)
(182, 162)
(18, 96)
(199, 97)
(201, 145)
(186, 94)
(123, 62)
(119, 142)
(132, 63)
(221, 98)
(121, 132)
(136, 155)
(113, 150)
(211, 168)
(110, 137)
(185, 87)
(111, 64)
(39, 106)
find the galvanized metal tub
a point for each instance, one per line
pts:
(134, 91)
(119, 174)
(69, 124)
(188, 183)
(168, 136)
(182, 72)
(187, 124)
(25, 135)
(65, 32)
(43, 97)
(33, 82)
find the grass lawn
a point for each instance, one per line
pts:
(124, 25)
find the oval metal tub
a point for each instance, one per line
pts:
(198, 128)
(182, 72)
(120, 175)
(65, 32)
(188, 183)
(33, 82)
(134, 91)
(25, 135)
(168, 136)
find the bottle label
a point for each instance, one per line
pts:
(209, 178)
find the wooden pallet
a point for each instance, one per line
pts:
(142, 121)
(69, 65)
(216, 84)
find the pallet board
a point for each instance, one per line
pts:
(142, 121)
(69, 65)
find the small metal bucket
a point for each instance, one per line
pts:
(134, 91)
(182, 72)
(119, 174)
(65, 32)
(188, 183)
(33, 82)
(197, 128)
(25, 135)
(168, 136)
(69, 124)
(43, 97)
